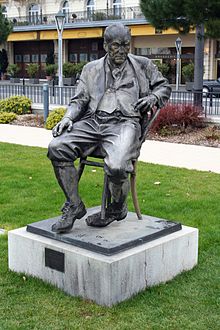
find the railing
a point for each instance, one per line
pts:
(62, 95)
(57, 95)
(210, 101)
(80, 16)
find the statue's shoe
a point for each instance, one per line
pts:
(112, 214)
(70, 214)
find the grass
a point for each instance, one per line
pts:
(29, 192)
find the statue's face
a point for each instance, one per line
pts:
(118, 49)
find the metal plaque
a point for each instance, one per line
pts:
(55, 260)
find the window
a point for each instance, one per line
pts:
(66, 10)
(18, 58)
(90, 8)
(35, 58)
(34, 14)
(83, 57)
(43, 58)
(73, 57)
(117, 8)
(26, 58)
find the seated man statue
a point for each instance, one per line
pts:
(113, 94)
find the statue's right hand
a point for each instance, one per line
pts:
(64, 123)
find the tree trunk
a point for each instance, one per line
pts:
(198, 65)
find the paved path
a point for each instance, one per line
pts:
(172, 154)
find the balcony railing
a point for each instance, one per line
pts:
(125, 13)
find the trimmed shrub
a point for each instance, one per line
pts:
(17, 104)
(71, 69)
(7, 117)
(13, 70)
(51, 69)
(32, 70)
(188, 72)
(54, 117)
(164, 68)
(68, 69)
(177, 117)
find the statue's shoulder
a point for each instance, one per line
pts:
(142, 60)
(94, 64)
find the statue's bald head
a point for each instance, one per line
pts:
(117, 39)
(116, 30)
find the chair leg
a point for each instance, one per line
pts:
(105, 197)
(134, 192)
(80, 168)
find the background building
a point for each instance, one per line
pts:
(35, 36)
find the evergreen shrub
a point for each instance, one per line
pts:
(7, 117)
(17, 104)
(54, 117)
(13, 70)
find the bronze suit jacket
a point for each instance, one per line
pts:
(91, 87)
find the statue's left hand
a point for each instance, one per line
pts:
(146, 103)
(65, 123)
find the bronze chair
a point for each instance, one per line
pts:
(146, 123)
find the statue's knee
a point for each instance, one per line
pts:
(53, 145)
(117, 174)
(53, 149)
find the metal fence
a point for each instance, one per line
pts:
(57, 95)
(62, 95)
(210, 101)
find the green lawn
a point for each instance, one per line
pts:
(29, 192)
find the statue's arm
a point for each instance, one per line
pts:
(159, 85)
(159, 88)
(78, 103)
(76, 107)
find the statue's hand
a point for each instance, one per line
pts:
(146, 103)
(65, 123)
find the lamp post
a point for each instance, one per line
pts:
(107, 7)
(178, 44)
(60, 18)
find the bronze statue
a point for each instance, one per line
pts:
(113, 94)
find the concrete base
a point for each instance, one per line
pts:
(106, 280)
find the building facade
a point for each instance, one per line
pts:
(34, 34)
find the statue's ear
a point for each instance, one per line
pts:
(105, 46)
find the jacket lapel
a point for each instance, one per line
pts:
(97, 80)
(141, 76)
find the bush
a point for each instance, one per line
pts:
(71, 69)
(162, 67)
(32, 70)
(188, 72)
(54, 117)
(174, 117)
(13, 70)
(17, 104)
(68, 69)
(51, 69)
(7, 117)
(79, 67)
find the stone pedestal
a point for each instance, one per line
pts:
(106, 276)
